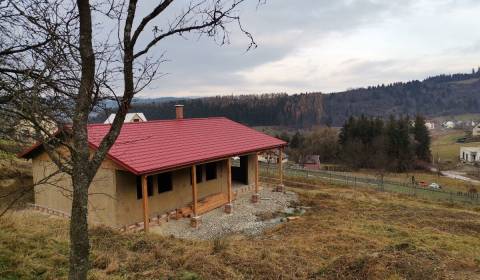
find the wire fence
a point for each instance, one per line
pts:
(301, 175)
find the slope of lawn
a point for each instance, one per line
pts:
(345, 234)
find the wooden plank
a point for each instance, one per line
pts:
(194, 191)
(211, 202)
(229, 179)
(146, 213)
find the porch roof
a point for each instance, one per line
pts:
(155, 146)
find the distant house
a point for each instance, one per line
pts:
(130, 117)
(271, 157)
(156, 168)
(312, 162)
(430, 125)
(476, 130)
(449, 124)
(470, 154)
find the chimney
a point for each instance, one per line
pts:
(179, 111)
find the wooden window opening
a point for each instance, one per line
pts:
(211, 171)
(149, 186)
(164, 181)
(199, 173)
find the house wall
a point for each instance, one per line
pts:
(470, 154)
(476, 131)
(130, 209)
(113, 195)
(56, 193)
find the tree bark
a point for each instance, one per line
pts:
(79, 240)
(82, 174)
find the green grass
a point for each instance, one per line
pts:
(462, 117)
(445, 148)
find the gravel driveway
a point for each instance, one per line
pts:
(244, 218)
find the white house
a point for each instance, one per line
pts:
(449, 124)
(476, 130)
(130, 117)
(470, 154)
(430, 125)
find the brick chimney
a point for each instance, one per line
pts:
(179, 111)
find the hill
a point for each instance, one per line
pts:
(435, 96)
(346, 234)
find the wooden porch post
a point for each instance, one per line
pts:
(255, 196)
(229, 206)
(195, 221)
(280, 187)
(146, 214)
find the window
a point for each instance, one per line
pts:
(211, 171)
(139, 187)
(164, 181)
(198, 174)
(199, 171)
(149, 186)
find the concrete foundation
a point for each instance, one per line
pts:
(255, 198)
(228, 208)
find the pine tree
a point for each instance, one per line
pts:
(422, 139)
(296, 141)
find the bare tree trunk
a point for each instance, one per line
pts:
(81, 177)
(79, 240)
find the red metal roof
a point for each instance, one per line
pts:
(153, 146)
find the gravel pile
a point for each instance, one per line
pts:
(244, 218)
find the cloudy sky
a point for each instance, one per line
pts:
(327, 46)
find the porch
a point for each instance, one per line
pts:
(231, 180)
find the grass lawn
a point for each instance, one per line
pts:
(445, 148)
(346, 234)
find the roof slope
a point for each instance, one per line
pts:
(128, 117)
(154, 146)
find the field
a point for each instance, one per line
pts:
(346, 234)
(448, 184)
(444, 147)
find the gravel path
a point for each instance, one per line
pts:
(244, 218)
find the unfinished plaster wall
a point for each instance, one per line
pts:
(130, 209)
(56, 193)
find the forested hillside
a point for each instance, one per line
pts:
(434, 96)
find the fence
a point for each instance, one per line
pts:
(298, 174)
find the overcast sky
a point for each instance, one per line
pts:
(327, 46)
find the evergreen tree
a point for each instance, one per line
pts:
(422, 139)
(296, 141)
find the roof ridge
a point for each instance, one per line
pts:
(158, 121)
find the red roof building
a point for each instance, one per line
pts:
(167, 165)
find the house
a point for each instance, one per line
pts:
(430, 125)
(448, 124)
(25, 129)
(312, 162)
(470, 154)
(156, 168)
(130, 117)
(271, 156)
(476, 130)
